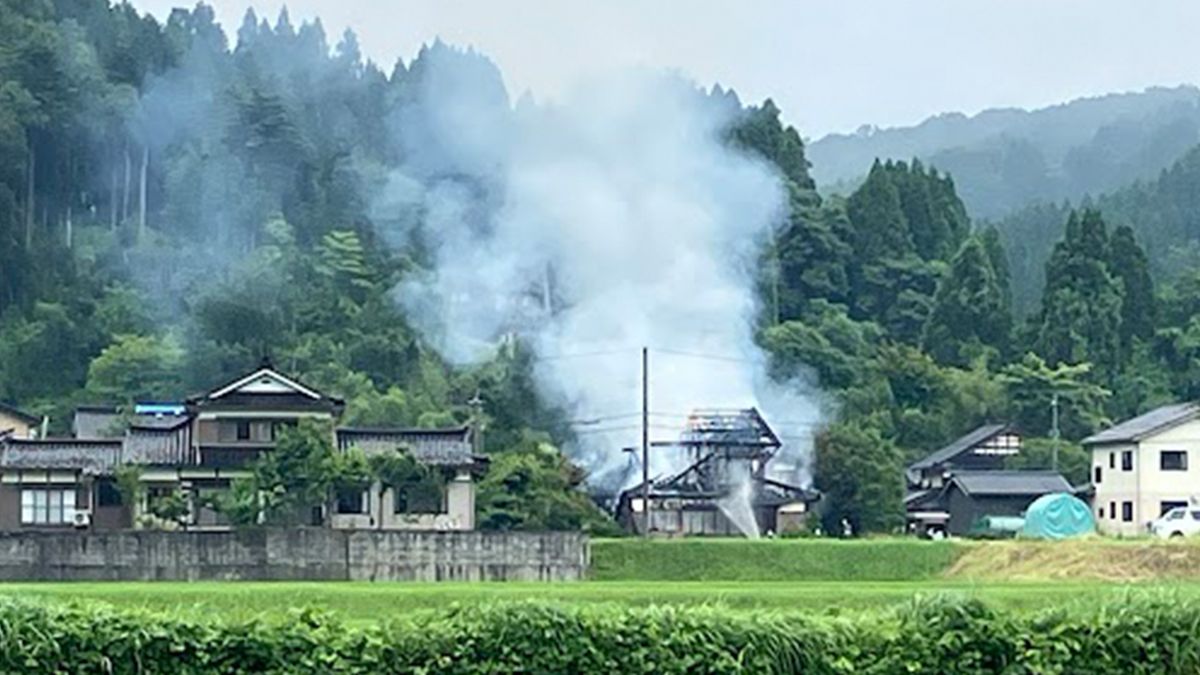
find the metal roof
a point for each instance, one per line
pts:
(961, 445)
(1142, 426)
(1010, 482)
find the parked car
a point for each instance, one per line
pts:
(1181, 521)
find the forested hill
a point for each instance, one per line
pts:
(1163, 212)
(1005, 159)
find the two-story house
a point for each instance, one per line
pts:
(1143, 467)
(198, 448)
(953, 488)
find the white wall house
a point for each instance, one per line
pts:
(1145, 466)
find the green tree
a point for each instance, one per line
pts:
(1128, 263)
(862, 478)
(1082, 303)
(136, 368)
(1032, 385)
(534, 487)
(970, 316)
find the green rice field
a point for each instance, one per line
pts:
(825, 577)
(369, 602)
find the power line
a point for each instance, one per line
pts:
(709, 357)
(583, 355)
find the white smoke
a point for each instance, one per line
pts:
(615, 219)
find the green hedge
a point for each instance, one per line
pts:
(770, 560)
(929, 636)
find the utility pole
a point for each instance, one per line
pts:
(645, 442)
(476, 404)
(1054, 433)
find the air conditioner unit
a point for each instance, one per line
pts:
(83, 518)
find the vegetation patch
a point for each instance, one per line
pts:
(771, 560)
(928, 636)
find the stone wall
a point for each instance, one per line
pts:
(299, 553)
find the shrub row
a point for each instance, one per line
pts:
(716, 559)
(929, 636)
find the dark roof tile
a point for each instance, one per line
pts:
(1148, 424)
(960, 445)
(1010, 482)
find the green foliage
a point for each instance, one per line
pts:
(1032, 384)
(136, 368)
(935, 634)
(742, 560)
(171, 507)
(861, 475)
(970, 316)
(417, 488)
(1081, 308)
(827, 340)
(1074, 463)
(128, 478)
(534, 487)
(300, 473)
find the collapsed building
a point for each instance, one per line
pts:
(725, 489)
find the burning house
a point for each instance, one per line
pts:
(725, 489)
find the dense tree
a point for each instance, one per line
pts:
(1129, 265)
(1081, 309)
(860, 473)
(970, 315)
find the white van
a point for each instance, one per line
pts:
(1181, 521)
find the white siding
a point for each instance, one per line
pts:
(1146, 486)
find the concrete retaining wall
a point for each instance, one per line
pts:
(299, 553)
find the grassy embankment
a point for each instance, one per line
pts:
(803, 575)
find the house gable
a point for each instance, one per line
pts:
(265, 381)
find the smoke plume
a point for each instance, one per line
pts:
(613, 219)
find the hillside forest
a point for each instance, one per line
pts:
(176, 204)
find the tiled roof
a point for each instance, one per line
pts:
(91, 457)
(960, 445)
(448, 447)
(1010, 482)
(1157, 420)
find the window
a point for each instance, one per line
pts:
(1112, 510)
(47, 507)
(1195, 515)
(1096, 474)
(1112, 460)
(1127, 460)
(243, 431)
(1168, 507)
(1127, 511)
(351, 501)
(1173, 460)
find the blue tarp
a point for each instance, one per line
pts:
(1058, 516)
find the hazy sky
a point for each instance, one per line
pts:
(831, 65)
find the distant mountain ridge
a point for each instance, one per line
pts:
(1004, 159)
